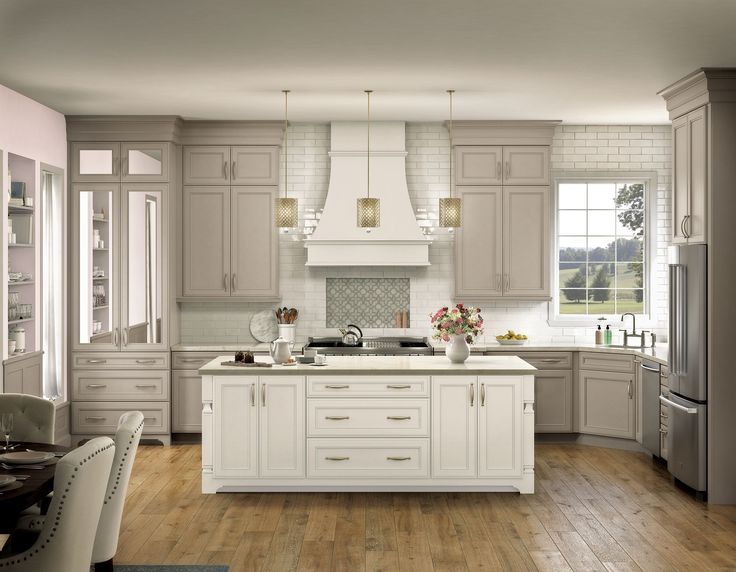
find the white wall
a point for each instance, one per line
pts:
(608, 148)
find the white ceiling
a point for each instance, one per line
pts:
(582, 61)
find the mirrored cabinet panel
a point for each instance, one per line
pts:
(127, 162)
(95, 161)
(144, 161)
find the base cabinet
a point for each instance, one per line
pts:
(454, 427)
(186, 402)
(553, 401)
(499, 427)
(607, 404)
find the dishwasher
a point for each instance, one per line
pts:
(650, 407)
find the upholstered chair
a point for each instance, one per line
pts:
(33, 417)
(127, 437)
(68, 530)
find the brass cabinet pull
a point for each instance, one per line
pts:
(498, 170)
(115, 337)
(224, 169)
(125, 166)
(337, 458)
(253, 395)
(233, 283)
(146, 386)
(550, 360)
(630, 390)
(398, 458)
(96, 385)
(472, 394)
(224, 282)
(498, 281)
(398, 417)
(263, 396)
(482, 394)
(96, 361)
(192, 360)
(337, 417)
(337, 387)
(685, 223)
(398, 387)
(508, 169)
(149, 419)
(95, 418)
(233, 170)
(145, 361)
(508, 282)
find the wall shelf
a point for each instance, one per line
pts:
(14, 322)
(15, 209)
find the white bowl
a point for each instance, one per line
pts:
(512, 342)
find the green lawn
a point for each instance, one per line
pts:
(595, 308)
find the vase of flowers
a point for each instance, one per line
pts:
(459, 326)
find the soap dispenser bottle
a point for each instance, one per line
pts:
(599, 336)
(608, 336)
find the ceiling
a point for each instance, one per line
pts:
(581, 61)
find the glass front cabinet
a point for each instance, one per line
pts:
(119, 282)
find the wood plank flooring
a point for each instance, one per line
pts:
(594, 509)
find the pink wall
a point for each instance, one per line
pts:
(32, 130)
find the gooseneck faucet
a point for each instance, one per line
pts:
(633, 333)
(633, 325)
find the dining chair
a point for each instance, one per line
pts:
(33, 417)
(68, 531)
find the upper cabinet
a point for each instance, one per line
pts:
(222, 165)
(690, 177)
(206, 165)
(115, 162)
(508, 165)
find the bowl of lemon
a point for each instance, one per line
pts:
(512, 338)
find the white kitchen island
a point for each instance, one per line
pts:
(369, 423)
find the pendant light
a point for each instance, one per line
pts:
(287, 210)
(369, 210)
(451, 209)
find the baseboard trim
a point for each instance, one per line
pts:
(591, 440)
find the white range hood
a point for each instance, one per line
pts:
(337, 240)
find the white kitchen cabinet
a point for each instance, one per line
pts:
(526, 165)
(186, 401)
(526, 232)
(479, 243)
(499, 426)
(206, 237)
(282, 432)
(607, 405)
(236, 427)
(454, 426)
(502, 249)
(23, 374)
(479, 165)
(553, 401)
(254, 165)
(207, 165)
(690, 177)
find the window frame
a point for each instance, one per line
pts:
(649, 178)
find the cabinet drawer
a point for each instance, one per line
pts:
(96, 385)
(120, 360)
(606, 362)
(368, 458)
(367, 418)
(192, 360)
(102, 418)
(368, 386)
(542, 360)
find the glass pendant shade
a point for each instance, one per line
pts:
(287, 213)
(451, 212)
(369, 213)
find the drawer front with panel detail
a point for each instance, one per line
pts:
(118, 360)
(103, 385)
(102, 418)
(600, 361)
(541, 360)
(368, 386)
(368, 418)
(368, 458)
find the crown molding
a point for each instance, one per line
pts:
(123, 128)
(503, 132)
(232, 132)
(703, 86)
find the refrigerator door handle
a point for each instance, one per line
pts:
(672, 358)
(689, 410)
(682, 318)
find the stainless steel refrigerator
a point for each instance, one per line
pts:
(688, 380)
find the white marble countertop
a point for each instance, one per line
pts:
(383, 365)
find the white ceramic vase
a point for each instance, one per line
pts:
(288, 332)
(458, 350)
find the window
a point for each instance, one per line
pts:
(602, 255)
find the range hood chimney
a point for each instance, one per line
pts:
(337, 240)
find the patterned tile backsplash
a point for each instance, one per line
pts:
(366, 302)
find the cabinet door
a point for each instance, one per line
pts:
(526, 165)
(96, 266)
(478, 252)
(254, 242)
(144, 261)
(145, 162)
(236, 426)
(254, 165)
(526, 240)
(454, 426)
(478, 165)
(99, 162)
(207, 165)
(186, 402)
(553, 402)
(282, 446)
(607, 404)
(206, 237)
(500, 426)
(680, 183)
(695, 226)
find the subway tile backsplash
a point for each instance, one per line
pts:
(366, 302)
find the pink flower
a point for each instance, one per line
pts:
(445, 338)
(458, 330)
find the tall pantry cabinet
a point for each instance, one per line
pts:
(123, 175)
(502, 175)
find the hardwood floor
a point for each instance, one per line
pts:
(594, 509)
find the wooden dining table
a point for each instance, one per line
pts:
(40, 482)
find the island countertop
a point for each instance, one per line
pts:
(382, 365)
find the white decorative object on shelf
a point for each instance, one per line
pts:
(458, 350)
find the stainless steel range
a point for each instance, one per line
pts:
(401, 346)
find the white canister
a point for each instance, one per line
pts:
(11, 347)
(19, 335)
(288, 332)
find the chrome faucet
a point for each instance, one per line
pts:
(633, 333)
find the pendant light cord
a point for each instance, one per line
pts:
(368, 145)
(451, 91)
(286, 142)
